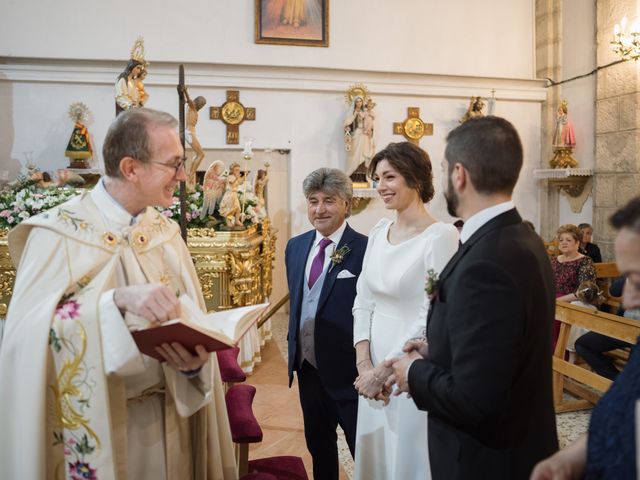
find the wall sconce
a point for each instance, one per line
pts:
(627, 45)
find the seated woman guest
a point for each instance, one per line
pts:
(587, 248)
(570, 268)
(391, 307)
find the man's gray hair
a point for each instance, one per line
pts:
(128, 136)
(330, 181)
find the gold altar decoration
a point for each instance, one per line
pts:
(232, 113)
(413, 128)
(234, 267)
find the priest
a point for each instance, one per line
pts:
(78, 398)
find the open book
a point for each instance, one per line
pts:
(214, 331)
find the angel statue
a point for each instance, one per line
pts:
(130, 90)
(564, 140)
(193, 106)
(230, 208)
(213, 187)
(475, 110)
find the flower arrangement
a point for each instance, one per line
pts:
(253, 213)
(24, 198)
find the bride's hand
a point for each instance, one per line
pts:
(370, 383)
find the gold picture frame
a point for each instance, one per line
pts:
(292, 22)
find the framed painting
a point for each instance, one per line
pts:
(292, 22)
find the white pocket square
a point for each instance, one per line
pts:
(345, 274)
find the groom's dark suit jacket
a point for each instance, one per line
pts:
(486, 381)
(333, 335)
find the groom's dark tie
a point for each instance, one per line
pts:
(318, 262)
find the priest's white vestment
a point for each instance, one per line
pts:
(77, 398)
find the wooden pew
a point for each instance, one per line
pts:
(605, 273)
(588, 386)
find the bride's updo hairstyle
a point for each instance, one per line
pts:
(412, 163)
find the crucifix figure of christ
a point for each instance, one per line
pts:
(190, 135)
(413, 128)
(232, 113)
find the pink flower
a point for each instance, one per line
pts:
(68, 310)
(82, 471)
(167, 213)
(5, 213)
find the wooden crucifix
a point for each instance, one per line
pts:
(232, 113)
(413, 128)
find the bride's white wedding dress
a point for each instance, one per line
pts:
(391, 307)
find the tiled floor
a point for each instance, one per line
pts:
(277, 408)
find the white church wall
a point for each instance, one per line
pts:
(466, 37)
(303, 113)
(579, 58)
(408, 55)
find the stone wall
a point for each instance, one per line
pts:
(617, 162)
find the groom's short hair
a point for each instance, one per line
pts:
(489, 148)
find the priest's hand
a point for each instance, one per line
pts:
(181, 359)
(155, 302)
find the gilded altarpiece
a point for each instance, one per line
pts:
(234, 267)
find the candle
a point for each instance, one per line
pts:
(247, 149)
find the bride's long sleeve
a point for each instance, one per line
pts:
(436, 257)
(364, 303)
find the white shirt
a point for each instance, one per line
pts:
(473, 224)
(335, 238)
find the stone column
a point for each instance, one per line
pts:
(548, 65)
(617, 162)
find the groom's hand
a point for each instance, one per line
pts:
(420, 345)
(400, 366)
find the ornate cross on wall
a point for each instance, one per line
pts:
(232, 113)
(413, 128)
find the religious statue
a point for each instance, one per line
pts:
(193, 106)
(259, 184)
(238, 177)
(230, 208)
(475, 110)
(358, 129)
(129, 85)
(564, 140)
(79, 149)
(143, 96)
(213, 187)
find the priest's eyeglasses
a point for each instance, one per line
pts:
(176, 166)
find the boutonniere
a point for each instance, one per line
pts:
(431, 284)
(339, 255)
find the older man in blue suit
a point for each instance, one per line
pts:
(323, 266)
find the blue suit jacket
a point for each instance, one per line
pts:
(333, 336)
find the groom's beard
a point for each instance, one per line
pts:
(452, 199)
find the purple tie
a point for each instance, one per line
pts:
(318, 262)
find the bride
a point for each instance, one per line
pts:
(391, 307)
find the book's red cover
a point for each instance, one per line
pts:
(188, 337)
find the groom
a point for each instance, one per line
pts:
(323, 266)
(485, 376)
